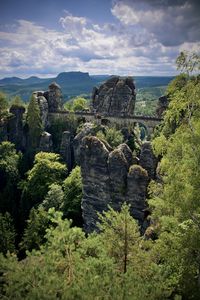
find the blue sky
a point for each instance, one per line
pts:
(125, 37)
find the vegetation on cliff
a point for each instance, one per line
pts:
(44, 256)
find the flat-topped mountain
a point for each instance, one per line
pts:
(75, 83)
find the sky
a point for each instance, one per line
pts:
(123, 37)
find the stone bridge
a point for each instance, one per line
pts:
(124, 121)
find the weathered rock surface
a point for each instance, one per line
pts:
(66, 149)
(54, 97)
(15, 127)
(96, 181)
(115, 97)
(148, 160)
(137, 182)
(88, 129)
(46, 144)
(109, 177)
(163, 103)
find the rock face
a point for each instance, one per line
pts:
(15, 127)
(137, 181)
(66, 149)
(109, 177)
(148, 160)
(115, 97)
(43, 105)
(46, 144)
(163, 103)
(54, 97)
(96, 188)
(87, 129)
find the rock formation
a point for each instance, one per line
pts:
(109, 177)
(15, 127)
(115, 97)
(66, 149)
(43, 105)
(163, 103)
(54, 97)
(148, 160)
(46, 144)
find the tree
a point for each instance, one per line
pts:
(17, 101)
(188, 61)
(54, 197)
(34, 233)
(3, 105)
(113, 136)
(72, 196)
(7, 233)
(121, 232)
(9, 174)
(34, 122)
(47, 169)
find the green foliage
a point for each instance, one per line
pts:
(3, 105)
(188, 61)
(54, 197)
(57, 126)
(71, 266)
(9, 174)
(34, 122)
(34, 233)
(184, 103)
(17, 101)
(77, 104)
(175, 202)
(7, 233)
(113, 136)
(72, 196)
(47, 170)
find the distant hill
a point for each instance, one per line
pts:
(72, 84)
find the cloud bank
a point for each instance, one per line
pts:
(145, 39)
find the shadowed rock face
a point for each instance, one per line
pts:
(15, 127)
(163, 103)
(54, 97)
(46, 144)
(66, 149)
(148, 160)
(109, 177)
(115, 97)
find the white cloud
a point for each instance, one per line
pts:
(125, 47)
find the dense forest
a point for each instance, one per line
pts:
(45, 253)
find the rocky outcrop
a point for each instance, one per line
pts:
(54, 97)
(109, 177)
(96, 181)
(137, 181)
(15, 127)
(115, 97)
(88, 129)
(46, 144)
(66, 149)
(163, 103)
(43, 106)
(148, 160)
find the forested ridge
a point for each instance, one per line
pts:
(45, 253)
